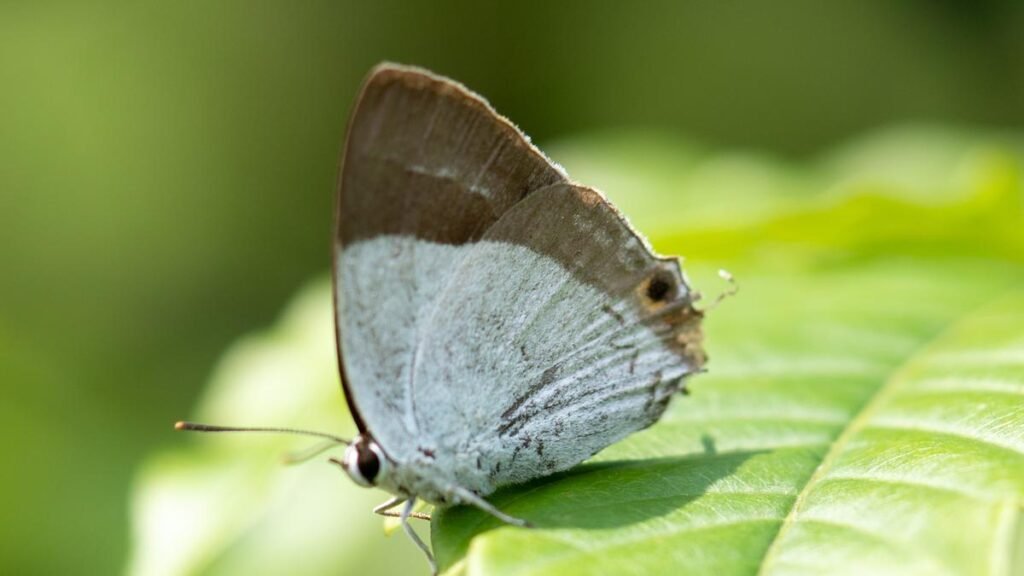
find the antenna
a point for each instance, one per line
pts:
(300, 456)
(732, 290)
(196, 427)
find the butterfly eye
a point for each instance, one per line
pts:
(364, 462)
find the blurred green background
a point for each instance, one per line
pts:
(167, 174)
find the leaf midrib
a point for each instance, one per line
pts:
(855, 425)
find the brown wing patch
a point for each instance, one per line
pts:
(426, 157)
(580, 229)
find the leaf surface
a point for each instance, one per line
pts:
(874, 424)
(863, 410)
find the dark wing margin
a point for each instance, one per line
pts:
(426, 158)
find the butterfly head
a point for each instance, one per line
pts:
(365, 462)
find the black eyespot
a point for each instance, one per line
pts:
(658, 288)
(367, 462)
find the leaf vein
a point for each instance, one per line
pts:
(857, 424)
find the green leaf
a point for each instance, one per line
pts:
(864, 410)
(863, 413)
(874, 423)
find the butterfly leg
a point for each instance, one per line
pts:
(468, 497)
(406, 513)
(385, 509)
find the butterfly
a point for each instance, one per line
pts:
(496, 321)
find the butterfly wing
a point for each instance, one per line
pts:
(428, 168)
(558, 334)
